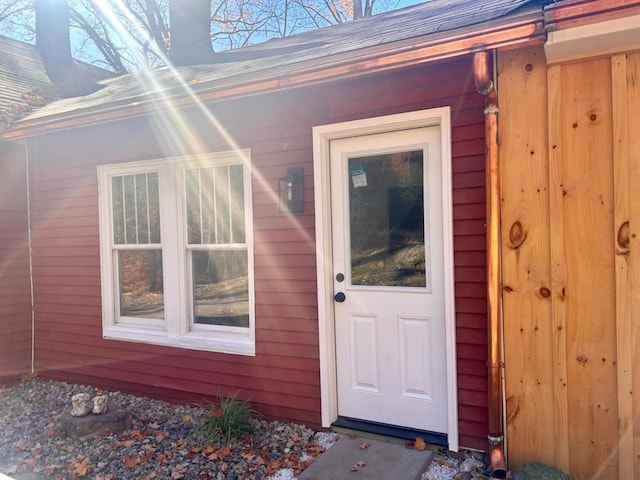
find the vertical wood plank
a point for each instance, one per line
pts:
(525, 255)
(587, 197)
(633, 341)
(624, 327)
(556, 242)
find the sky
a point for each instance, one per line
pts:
(407, 3)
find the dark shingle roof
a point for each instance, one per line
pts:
(21, 71)
(279, 57)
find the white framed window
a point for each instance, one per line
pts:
(176, 251)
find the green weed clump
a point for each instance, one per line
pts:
(227, 420)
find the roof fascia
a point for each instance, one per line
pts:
(525, 27)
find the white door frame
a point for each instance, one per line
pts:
(322, 136)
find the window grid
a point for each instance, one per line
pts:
(140, 206)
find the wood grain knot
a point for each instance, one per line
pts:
(528, 67)
(623, 235)
(544, 292)
(582, 359)
(517, 235)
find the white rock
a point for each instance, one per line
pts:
(100, 404)
(81, 405)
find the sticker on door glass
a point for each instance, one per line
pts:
(358, 175)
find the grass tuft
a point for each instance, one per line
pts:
(226, 420)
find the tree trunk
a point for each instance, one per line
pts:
(52, 39)
(190, 32)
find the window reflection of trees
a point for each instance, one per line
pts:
(136, 221)
(216, 237)
(387, 220)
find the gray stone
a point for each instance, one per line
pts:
(539, 471)
(115, 420)
(470, 464)
(463, 476)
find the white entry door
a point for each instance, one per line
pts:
(388, 278)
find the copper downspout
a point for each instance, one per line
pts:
(486, 88)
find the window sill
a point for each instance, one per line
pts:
(236, 344)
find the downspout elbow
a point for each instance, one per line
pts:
(482, 77)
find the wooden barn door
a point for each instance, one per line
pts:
(388, 276)
(571, 261)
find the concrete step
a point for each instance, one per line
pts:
(381, 460)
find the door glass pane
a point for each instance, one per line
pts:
(141, 287)
(386, 215)
(221, 287)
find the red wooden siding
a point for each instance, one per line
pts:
(282, 380)
(15, 289)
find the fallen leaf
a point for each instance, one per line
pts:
(82, 467)
(444, 463)
(419, 444)
(146, 457)
(352, 436)
(178, 472)
(186, 419)
(125, 443)
(131, 462)
(21, 445)
(354, 468)
(163, 457)
(364, 446)
(272, 468)
(49, 469)
(178, 444)
(360, 463)
(409, 445)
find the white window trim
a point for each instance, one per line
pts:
(176, 329)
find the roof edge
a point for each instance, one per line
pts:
(523, 27)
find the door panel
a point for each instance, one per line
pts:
(388, 264)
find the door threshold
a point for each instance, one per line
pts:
(352, 425)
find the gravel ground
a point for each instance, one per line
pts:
(466, 467)
(162, 443)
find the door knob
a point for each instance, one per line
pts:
(339, 297)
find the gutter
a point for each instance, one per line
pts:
(487, 89)
(525, 28)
